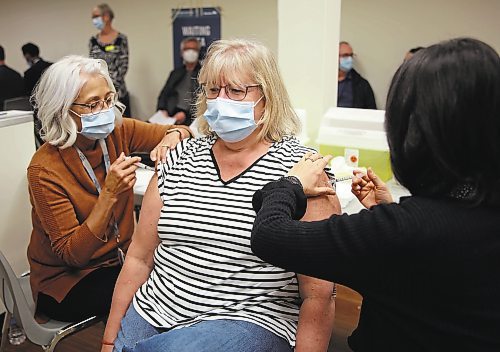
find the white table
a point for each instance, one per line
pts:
(143, 178)
(351, 205)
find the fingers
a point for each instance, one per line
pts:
(123, 161)
(124, 166)
(164, 151)
(374, 178)
(307, 156)
(160, 152)
(321, 191)
(317, 158)
(153, 154)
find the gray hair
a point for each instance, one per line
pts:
(105, 9)
(190, 39)
(58, 89)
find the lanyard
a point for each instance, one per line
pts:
(93, 177)
(88, 167)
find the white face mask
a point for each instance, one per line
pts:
(233, 121)
(98, 22)
(190, 56)
(98, 125)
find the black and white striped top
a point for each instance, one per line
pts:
(204, 268)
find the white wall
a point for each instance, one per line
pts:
(62, 27)
(306, 65)
(382, 31)
(16, 140)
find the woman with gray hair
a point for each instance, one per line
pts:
(190, 281)
(80, 184)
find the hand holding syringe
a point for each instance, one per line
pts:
(141, 165)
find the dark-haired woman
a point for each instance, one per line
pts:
(428, 267)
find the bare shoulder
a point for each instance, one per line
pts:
(322, 207)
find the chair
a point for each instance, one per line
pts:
(19, 103)
(17, 297)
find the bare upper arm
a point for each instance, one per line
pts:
(318, 208)
(145, 238)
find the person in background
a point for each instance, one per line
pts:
(11, 82)
(111, 46)
(80, 184)
(428, 267)
(412, 52)
(37, 65)
(353, 90)
(31, 53)
(190, 281)
(179, 93)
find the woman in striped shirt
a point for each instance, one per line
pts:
(190, 274)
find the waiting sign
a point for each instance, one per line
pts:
(201, 23)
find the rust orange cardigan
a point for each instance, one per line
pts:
(62, 251)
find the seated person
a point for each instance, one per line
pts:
(179, 93)
(190, 281)
(80, 185)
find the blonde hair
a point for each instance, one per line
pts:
(58, 89)
(231, 62)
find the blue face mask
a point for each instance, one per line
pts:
(345, 64)
(232, 120)
(98, 22)
(97, 126)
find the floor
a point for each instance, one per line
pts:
(346, 318)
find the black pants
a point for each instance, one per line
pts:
(91, 296)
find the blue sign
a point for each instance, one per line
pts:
(201, 23)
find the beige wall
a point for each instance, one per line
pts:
(62, 27)
(307, 64)
(381, 31)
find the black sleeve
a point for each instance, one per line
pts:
(166, 91)
(348, 249)
(162, 98)
(369, 97)
(29, 83)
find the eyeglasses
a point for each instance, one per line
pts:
(237, 93)
(347, 55)
(96, 106)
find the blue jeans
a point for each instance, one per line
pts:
(137, 335)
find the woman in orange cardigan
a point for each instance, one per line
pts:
(80, 185)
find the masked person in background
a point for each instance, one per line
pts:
(353, 90)
(112, 47)
(80, 185)
(179, 93)
(190, 281)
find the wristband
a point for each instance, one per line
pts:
(293, 180)
(106, 343)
